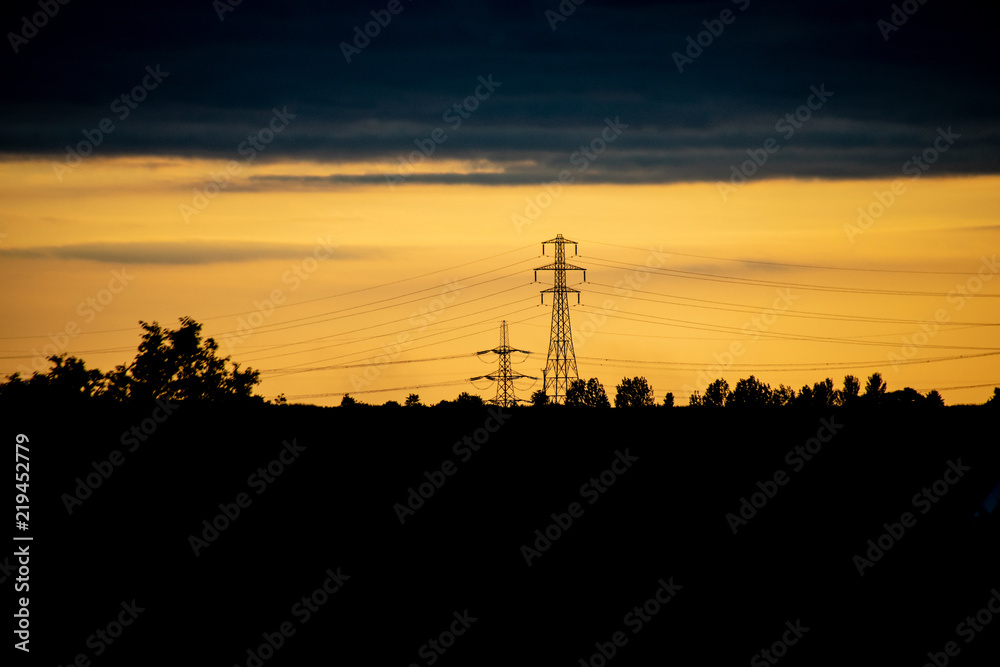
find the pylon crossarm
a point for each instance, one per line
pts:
(559, 267)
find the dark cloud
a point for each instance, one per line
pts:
(177, 253)
(606, 60)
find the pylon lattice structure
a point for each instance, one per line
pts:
(560, 367)
(505, 375)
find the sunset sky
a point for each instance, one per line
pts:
(807, 193)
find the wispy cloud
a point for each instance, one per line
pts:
(174, 252)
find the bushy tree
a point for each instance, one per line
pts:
(539, 398)
(589, 394)
(749, 393)
(849, 394)
(934, 399)
(783, 396)
(668, 400)
(716, 394)
(875, 389)
(173, 365)
(824, 395)
(467, 400)
(68, 379)
(413, 401)
(804, 399)
(633, 393)
(178, 365)
(695, 399)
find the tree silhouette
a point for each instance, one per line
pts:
(467, 400)
(172, 365)
(413, 401)
(716, 394)
(695, 399)
(783, 396)
(749, 393)
(824, 395)
(589, 394)
(668, 400)
(849, 394)
(633, 393)
(539, 398)
(178, 365)
(875, 389)
(905, 397)
(68, 379)
(994, 400)
(804, 399)
(934, 399)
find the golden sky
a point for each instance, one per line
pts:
(113, 231)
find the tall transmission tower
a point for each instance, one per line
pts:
(505, 375)
(560, 367)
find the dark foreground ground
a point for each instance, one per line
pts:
(656, 527)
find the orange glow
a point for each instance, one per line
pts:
(391, 234)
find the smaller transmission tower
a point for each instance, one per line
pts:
(505, 375)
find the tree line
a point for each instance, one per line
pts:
(178, 365)
(170, 365)
(747, 393)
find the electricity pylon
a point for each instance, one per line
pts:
(505, 375)
(560, 366)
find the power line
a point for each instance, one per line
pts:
(741, 308)
(686, 324)
(798, 266)
(322, 298)
(778, 367)
(711, 277)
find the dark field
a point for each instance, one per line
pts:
(328, 513)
